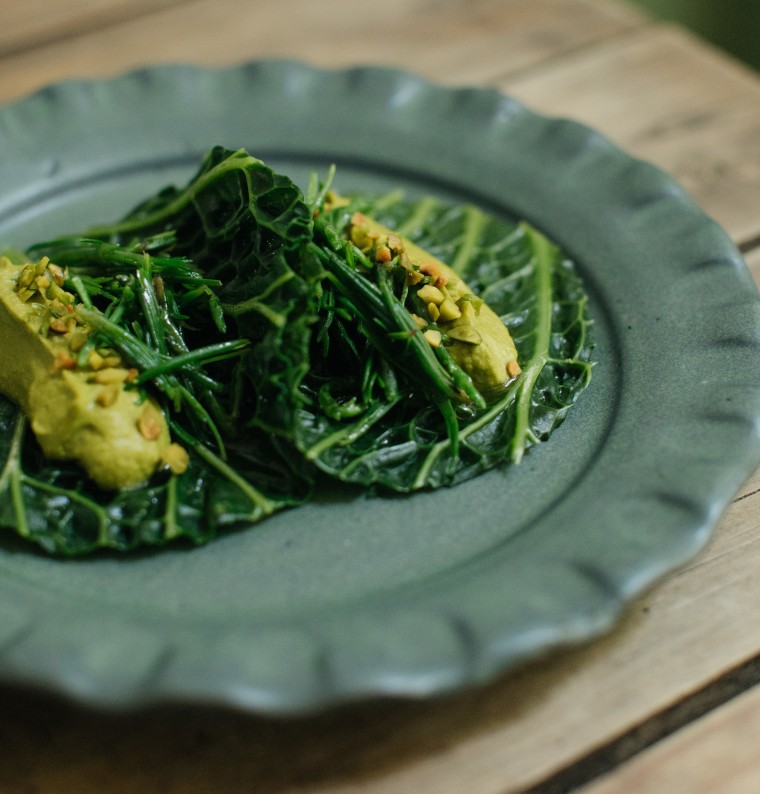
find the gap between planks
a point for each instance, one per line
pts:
(606, 759)
(735, 682)
(668, 720)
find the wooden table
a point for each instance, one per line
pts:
(667, 701)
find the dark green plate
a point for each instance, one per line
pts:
(353, 597)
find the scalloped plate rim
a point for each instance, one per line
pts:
(328, 670)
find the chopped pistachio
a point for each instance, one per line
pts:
(77, 341)
(113, 360)
(108, 395)
(433, 337)
(433, 311)
(513, 369)
(431, 294)
(176, 458)
(149, 423)
(26, 277)
(58, 273)
(413, 276)
(383, 254)
(58, 308)
(475, 301)
(64, 360)
(109, 375)
(55, 293)
(433, 270)
(465, 333)
(449, 311)
(394, 242)
(95, 360)
(359, 236)
(467, 310)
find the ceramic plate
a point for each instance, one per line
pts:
(350, 598)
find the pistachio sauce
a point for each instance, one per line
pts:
(85, 413)
(478, 340)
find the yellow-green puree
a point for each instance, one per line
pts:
(478, 340)
(85, 412)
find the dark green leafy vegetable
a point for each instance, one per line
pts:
(53, 504)
(245, 223)
(402, 442)
(281, 353)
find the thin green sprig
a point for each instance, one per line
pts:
(385, 314)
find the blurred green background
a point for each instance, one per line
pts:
(733, 25)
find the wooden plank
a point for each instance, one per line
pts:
(449, 40)
(516, 732)
(37, 22)
(519, 730)
(718, 753)
(670, 99)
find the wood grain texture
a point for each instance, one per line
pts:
(670, 99)
(459, 41)
(655, 91)
(34, 23)
(717, 753)
(679, 638)
(700, 757)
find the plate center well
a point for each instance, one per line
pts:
(344, 547)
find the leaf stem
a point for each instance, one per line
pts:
(544, 254)
(12, 475)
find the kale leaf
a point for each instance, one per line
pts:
(237, 224)
(396, 437)
(282, 355)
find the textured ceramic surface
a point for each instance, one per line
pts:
(352, 596)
